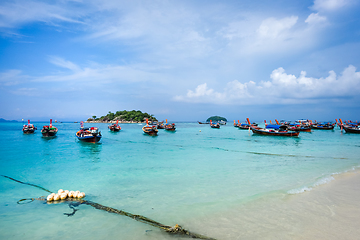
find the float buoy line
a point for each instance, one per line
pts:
(77, 201)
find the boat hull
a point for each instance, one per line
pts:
(322, 127)
(48, 133)
(92, 135)
(351, 130)
(152, 131)
(91, 139)
(305, 129)
(30, 131)
(114, 129)
(275, 133)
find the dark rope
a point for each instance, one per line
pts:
(76, 202)
(74, 211)
(28, 184)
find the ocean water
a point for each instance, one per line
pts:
(192, 177)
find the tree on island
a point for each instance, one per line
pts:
(216, 119)
(135, 116)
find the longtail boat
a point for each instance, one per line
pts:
(323, 126)
(282, 131)
(350, 127)
(245, 125)
(170, 126)
(214, 125)
(28, 128)
(91, 134)
(115, 127)
(297, 126)
(49, 130)
(150, 130)
(160, 125)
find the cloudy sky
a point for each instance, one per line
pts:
(180, 60)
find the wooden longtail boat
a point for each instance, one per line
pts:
(170, 126)
(115, 127)
(150, 130)
(298, 126)
(28, 128)
(160, 125)
(245, 125)
(214, 125)
(350, 127)
(203, 122)
(91, 134)
(49, 130)
(323, 126)
(282, 131)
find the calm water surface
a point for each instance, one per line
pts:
(176, 177)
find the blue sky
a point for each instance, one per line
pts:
(180, 60)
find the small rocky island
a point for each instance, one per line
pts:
(216, 119)
(123, 117)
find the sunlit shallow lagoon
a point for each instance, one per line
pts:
(187, 177)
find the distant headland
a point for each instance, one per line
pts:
(123, 117)
(4, 120)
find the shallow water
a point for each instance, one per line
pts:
(190, 177)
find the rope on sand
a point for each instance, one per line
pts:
(174, 230)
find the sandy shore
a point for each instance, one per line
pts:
(330, 211)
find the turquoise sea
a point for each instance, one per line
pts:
(188, 177)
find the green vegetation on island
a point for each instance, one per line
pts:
(124, 116)
(216, 119)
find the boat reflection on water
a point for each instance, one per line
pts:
(90, 151)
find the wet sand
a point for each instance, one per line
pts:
(329, 211)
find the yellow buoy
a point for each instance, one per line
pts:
(71, 194)
(75, 194)
(50, 197)
(56, 197)
(63, 196)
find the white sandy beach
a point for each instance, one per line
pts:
(329, 211)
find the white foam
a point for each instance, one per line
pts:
(324, 181)
(319, 182)
(299, 190)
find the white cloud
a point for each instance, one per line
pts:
(12, 77)
(272, 27)
(330, 5)
(200, 91)
(282, 88)
(16, 13)
(315, 18)
(63, 63)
